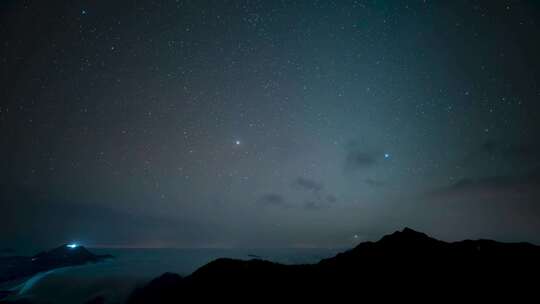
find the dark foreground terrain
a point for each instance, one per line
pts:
(19, 267)
(406, 265)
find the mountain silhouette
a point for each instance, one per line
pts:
(17, 267)
(405, 265)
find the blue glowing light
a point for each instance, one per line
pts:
(386, 155)
(72, 246)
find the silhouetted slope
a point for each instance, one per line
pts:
(12, 268)
(405, 264)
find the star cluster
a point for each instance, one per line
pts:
(268, 123)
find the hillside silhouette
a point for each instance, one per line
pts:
(17, 267)
(403, 265)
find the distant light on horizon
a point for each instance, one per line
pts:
(153, 135)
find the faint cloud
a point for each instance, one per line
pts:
(374, 183)
(359, 159)
(315, 205)
(358, 156)
(331, 198)
(308, 184)
(315, 195)
(273, 199)
(520, 153)
(524, 184)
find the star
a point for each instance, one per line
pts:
(386, 155)
(237, 142)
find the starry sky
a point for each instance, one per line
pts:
(267, 123)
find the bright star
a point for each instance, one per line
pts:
(72, 246)
(386, 155)
(237, 142)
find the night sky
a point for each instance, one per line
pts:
(267, 123)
